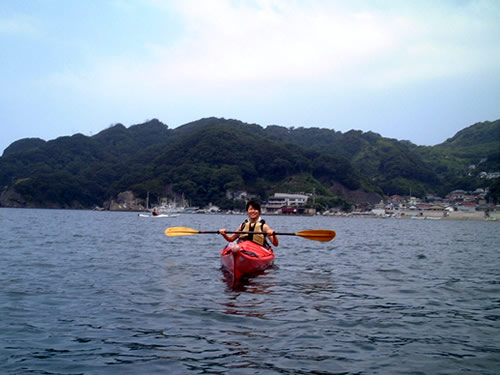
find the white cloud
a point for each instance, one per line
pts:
(226, 44)
(18, 25)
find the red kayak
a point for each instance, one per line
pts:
(246, 257)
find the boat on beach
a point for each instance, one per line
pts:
(244, 258)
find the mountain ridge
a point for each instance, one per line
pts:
(205, 159)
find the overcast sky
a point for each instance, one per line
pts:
(417, 70)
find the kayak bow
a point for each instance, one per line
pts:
(246, 257)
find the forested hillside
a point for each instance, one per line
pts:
(206, 159)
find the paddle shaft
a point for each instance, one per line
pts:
(315, 235)
(243, 232)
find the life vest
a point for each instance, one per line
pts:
(260, 239)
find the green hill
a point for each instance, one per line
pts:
(206, 159)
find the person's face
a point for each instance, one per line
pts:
(253, 214)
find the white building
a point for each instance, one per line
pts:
(286, 200)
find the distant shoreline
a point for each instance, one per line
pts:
(450, 216)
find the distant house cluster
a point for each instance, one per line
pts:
(459, 204)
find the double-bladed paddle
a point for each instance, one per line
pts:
(323, 235)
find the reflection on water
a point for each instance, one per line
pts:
(250, 283)
(254, 284)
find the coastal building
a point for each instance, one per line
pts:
(286, 203)
(457, 196)
(279, 200)
(379, 209)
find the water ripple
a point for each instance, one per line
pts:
(106, 293)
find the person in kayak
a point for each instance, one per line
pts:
(253, 224)
(155, 212)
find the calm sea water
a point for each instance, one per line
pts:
(108, 293)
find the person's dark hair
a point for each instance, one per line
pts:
(254, 204)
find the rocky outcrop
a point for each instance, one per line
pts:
(126, 201)
(11, 198)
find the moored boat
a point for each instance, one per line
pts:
(246, 257)
(158, 216)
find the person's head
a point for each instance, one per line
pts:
(254, 204)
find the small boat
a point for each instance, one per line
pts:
(246, 257)
(160, 215)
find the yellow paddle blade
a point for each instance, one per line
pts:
(180, 231)
(323, 235)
